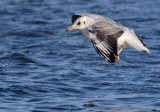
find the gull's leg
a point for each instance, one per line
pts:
(117, 56)
(119, 51)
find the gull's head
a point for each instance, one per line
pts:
(80, 23)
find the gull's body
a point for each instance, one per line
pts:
(106, 35)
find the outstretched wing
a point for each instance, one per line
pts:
(104, 39)
(98, 18)
(94, 16)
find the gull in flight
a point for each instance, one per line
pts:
(106, 35)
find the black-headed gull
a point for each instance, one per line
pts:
(106, 35)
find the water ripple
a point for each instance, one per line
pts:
(45, 69)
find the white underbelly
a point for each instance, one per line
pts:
(122, 40)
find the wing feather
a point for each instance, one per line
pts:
(104, 39)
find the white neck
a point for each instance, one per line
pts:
(85, 33)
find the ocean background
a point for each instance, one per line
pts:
(45, 69)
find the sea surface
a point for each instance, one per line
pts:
(45, 69)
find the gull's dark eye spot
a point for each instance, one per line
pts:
(78, 23)
(84, 22)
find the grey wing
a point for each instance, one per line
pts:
(94, 16)
(104, 39)
(98, 18)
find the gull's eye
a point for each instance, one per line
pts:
(78, 23)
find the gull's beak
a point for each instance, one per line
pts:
(70, 28)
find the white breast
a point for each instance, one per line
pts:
(86, 34)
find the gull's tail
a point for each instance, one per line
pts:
(136, 42)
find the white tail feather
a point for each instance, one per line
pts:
(133, 41)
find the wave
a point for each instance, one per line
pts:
(20, 58)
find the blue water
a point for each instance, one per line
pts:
(45, 69)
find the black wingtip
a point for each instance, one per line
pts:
(112, 61)
(146, 52)
(141, 41)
